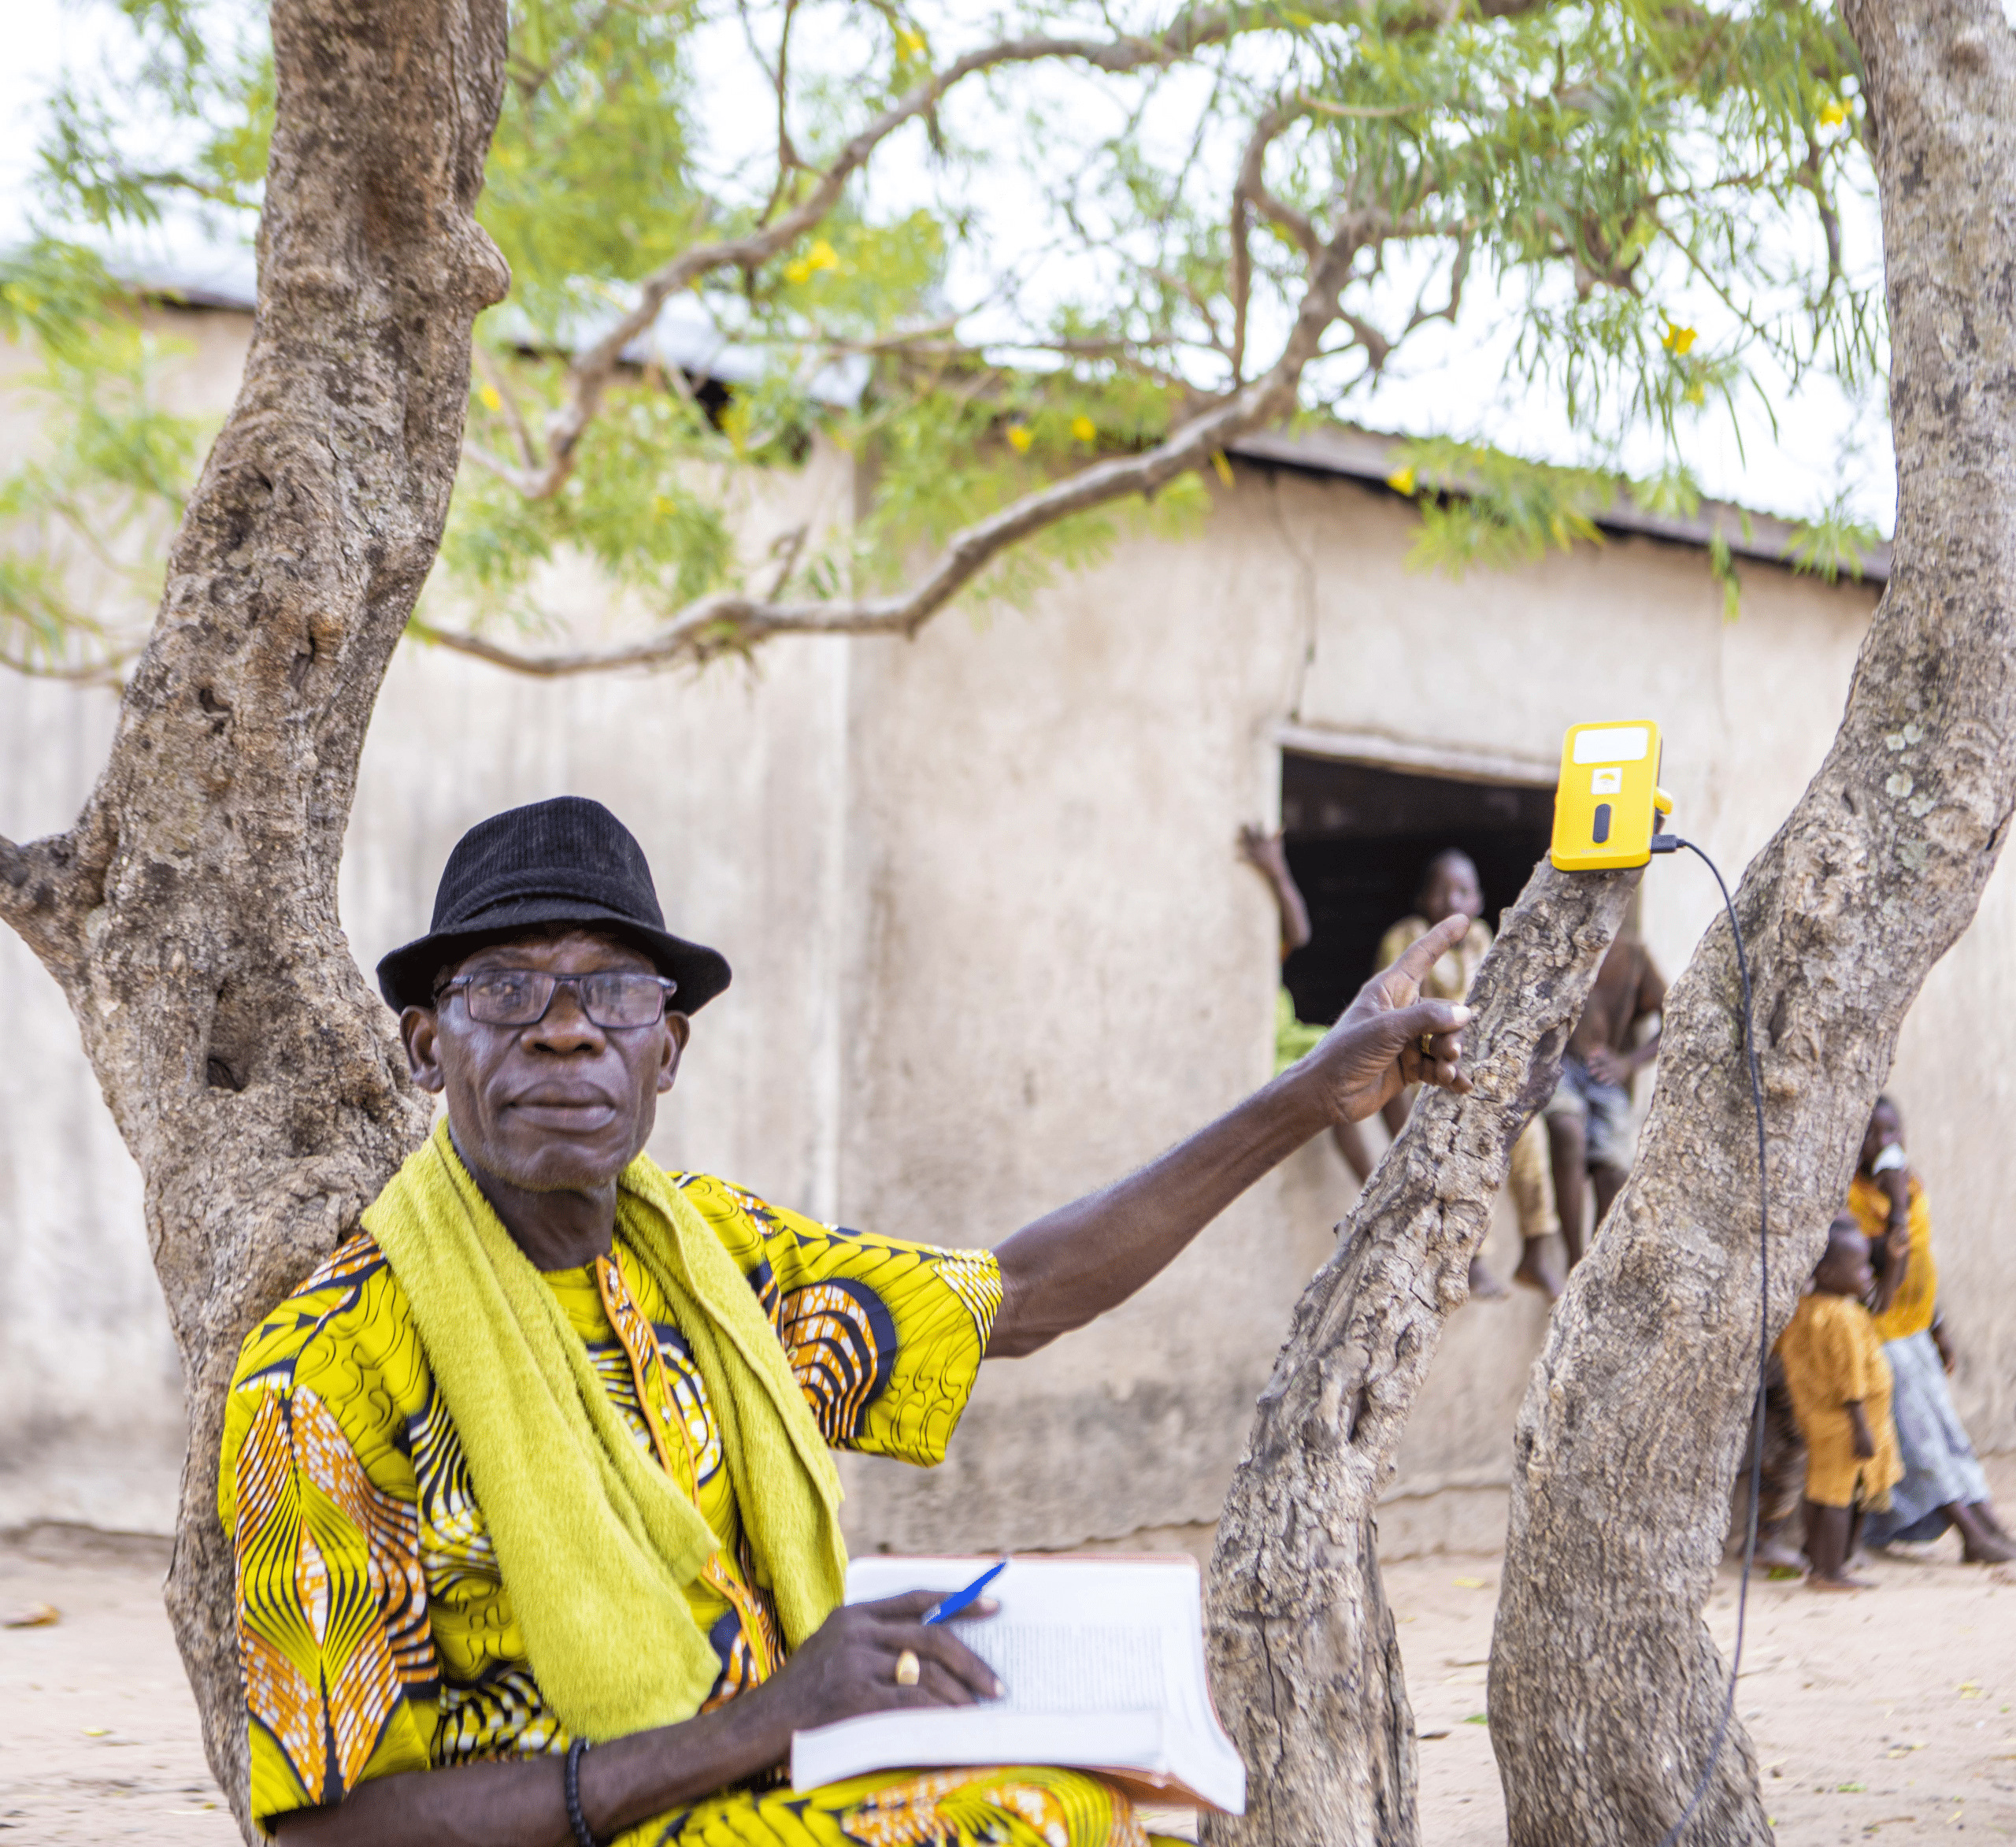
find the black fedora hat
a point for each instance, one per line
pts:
(566, 861)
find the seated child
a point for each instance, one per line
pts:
(1840, 1389)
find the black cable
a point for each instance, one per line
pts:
(1666, 843)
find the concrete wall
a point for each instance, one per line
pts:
(993, 947)
(1063, 968)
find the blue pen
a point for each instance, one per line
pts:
(945, 1608)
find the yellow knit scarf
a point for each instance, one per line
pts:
(593, 1540)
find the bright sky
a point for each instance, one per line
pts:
(1446, 380)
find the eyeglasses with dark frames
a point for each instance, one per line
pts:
(614, 999)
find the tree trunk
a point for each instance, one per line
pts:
(1605, 1689)
(191, 913)
(1303, 1655)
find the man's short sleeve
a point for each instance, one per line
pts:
(340, 1672)
(885, 1338)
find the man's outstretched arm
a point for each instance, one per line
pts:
(1073, 1264)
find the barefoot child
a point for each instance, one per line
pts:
(1840, 1388)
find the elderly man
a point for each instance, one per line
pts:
(539, 1460)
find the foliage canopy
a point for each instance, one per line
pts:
(1034, 272)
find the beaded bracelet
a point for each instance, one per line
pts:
(576, 1819)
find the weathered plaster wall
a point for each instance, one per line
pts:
(90, 1413)
(1065, 968)
(90, 1410)
(993, 947)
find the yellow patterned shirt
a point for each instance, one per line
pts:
(376, 1633)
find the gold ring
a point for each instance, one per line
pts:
(909, 1669)
(1427, 1045)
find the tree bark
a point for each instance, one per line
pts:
(1604, 1689)
(1303, 1654)
(191, 913)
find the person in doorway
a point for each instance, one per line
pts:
(1450, 887)
(1588, 1117)
(1943, 1485)
(1294, 1038)
(1841, 1389)
(539, 1458)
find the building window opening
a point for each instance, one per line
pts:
(1359, 839)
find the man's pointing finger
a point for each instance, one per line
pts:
(1424, 952)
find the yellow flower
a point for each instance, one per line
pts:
(1085, 429)
(1678, 338)
(490, 400)
(1019, 438)
(1832, 114)
(660, 504)
(1402, 479)
(821, 256)
(909, 42)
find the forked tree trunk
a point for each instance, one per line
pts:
(1304, 1660)
(1604, 1689)
(191, 913)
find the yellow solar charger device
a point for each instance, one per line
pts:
(1608, 804)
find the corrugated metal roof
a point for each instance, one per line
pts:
(1366, 455)
(685, 335)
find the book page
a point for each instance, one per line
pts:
(1101, 1667)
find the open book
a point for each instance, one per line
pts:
(1104, 1660)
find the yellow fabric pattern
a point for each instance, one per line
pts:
(596, 1543)
(1833, 1360)
(376, 1626)
(1917, 1299)
(995, 1806)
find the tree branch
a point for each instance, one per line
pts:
(105, 673)
(529, 79)
(1252, 183)
(731, 621)
(592, 370)
(1302, 1647)
(41, 886)
(1239, 284)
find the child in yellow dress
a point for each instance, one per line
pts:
(1840, 1389)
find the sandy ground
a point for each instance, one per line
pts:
(1890, 1716)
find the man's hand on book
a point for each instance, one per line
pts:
(849, 1666)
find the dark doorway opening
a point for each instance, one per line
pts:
(1359, 840)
